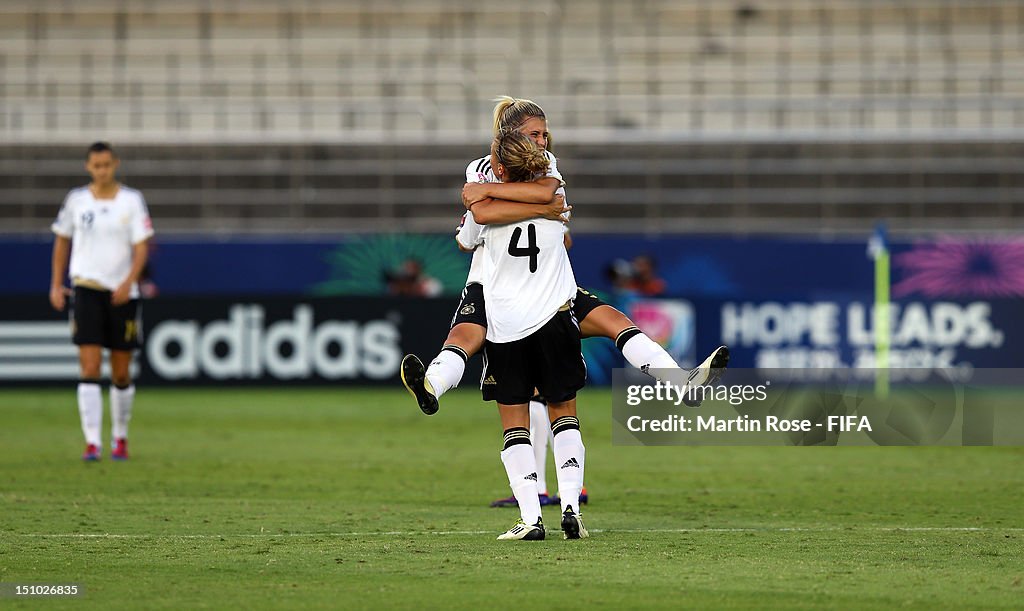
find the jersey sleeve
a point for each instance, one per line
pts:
(553, 168)
(64, 224)
(473, 170)
(468, 235)
(142, 225)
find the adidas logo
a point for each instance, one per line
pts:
(489, 380)
(571, 463)
(532, 477)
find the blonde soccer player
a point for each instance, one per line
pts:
(491, 201)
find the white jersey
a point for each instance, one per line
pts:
(102, 233)
(527, 277)
(469, 232)
(468, 236)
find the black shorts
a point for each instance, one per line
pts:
(584, 303)
(96, 321)
(471, 308)
(549, 360)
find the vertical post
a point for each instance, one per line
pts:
(880, 251)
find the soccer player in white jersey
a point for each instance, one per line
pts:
(105, 227)
(493, 201)
(533, 342)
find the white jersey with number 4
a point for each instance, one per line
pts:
(528, 277)
(102, 233)
(469, 232)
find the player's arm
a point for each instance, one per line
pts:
(501, 212)
(538, 192)
(140, 254)
(467, 236)
(567, 240)
(58, 270)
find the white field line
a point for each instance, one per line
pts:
(412, 533)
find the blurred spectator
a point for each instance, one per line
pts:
(619, 274)
(645, 278)
(410, 281)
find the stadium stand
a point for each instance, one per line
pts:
(670, 115)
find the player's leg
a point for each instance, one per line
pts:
(506, 378)
(563, 372)
(640, 350)
(598, 319)
(521, 467)
(122, 398)
(540, 436)
(570, 461)
(88, 333)
(125, 326)
(90, 399)
(465, 338)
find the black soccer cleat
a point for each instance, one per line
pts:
(414, 377)
(572, 525)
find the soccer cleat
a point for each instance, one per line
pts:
(707, 373)
(414, 377)
(512, 502)
(572, 525)
(120, 451)
(584, 497)
(91, 454)
(521, 531)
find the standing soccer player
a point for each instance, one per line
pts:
(105, 227)
(533, 342)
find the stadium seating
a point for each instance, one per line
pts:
(182, 83)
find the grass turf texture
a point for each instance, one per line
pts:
(327, 498)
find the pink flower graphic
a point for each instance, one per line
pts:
(952, 267)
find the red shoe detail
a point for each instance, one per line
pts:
(91, 454)
(120, 451)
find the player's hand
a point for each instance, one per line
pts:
(556, 209)
(59, 297)
(472, 192)
(122, 294)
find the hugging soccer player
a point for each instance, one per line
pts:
(533, 342)
(488, 200)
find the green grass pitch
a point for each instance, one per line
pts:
(338, 498)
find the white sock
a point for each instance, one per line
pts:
(642, 351)
(522, 470)
(90, 410)
(121, 410)
(569, 459)
(540, 430)
(445, 371)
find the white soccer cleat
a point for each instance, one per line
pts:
(712, 368)
(705, 374)
(522, 531)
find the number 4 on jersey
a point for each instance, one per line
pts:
(531, 249)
